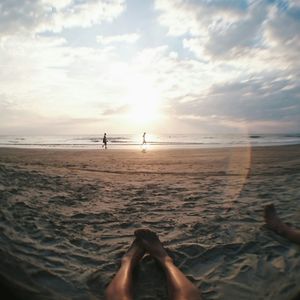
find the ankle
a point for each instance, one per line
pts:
(165, 260)
(126, 260)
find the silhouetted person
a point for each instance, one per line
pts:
(144, 138)
(104, 141)
(179, 287)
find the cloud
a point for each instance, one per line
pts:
(53, 15)
(253, 102)
(123, 38)
(52, 86)
(20, 119)
(48, 76)
(282, 32)
(238, 66)
(197, 18)
(230, 30)
(118, 110)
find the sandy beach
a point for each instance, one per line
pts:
(68, 216)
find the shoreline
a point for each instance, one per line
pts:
(165, 141)
(138, 147)
(180, 146)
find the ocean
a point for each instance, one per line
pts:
(159, 141)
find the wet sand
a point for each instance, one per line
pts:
(68, 216)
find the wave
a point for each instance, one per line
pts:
(255, 136)
(127, 140)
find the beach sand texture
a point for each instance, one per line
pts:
(68, 216)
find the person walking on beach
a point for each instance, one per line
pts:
(121, 286)
(144, 138)
(104, 141)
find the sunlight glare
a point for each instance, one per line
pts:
(143, 101)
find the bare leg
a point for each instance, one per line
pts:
(274, 223)
(179, 287)
(120, 287)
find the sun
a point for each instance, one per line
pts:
(144, 101)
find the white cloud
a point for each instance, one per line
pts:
(123, 38)
(233, 30)
(245, 67)
(54, 83)
(53, 15)
(198, 18)
(57, 4)
(47, 76)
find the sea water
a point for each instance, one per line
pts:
(161, 141)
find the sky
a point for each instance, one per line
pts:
(162, 66)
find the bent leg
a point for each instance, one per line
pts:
(275, 224)
(179, 287)
(120, 288)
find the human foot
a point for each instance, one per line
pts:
(151, 243)
(134, 253)
(272, 219)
